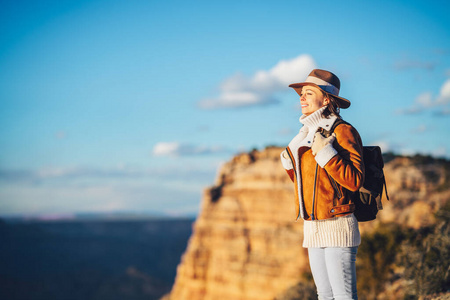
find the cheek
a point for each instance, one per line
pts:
(318, 103)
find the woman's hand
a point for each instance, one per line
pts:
(320, 141)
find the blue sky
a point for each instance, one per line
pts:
(133, 105)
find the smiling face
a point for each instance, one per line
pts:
(311, 99)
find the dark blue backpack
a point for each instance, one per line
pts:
(368, 198)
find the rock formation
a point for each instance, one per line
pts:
(246, 242)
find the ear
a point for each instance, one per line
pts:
(326, 100)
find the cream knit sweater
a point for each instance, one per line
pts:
(335, 232)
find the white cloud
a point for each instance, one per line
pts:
(440, 152)
(105, 197)
(414, 64)
(444, 95)
(425, 101)
(420, 129)
(394, 147)
(397, 148)
(259, 89)
(179, 149)
(76, 176)
(158, 188)
(384, 145)
(166, 148)
(65, 190)
(409, 110)
(406, 150)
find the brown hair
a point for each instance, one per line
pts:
(332, 106)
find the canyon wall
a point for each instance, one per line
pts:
(246, 243)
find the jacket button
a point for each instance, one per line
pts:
(309, 142)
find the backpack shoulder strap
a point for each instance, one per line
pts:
(327, 133)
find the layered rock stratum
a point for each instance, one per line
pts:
(246, 243)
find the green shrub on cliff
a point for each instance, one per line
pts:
(426, 257)
(422, 255)
(376, 258)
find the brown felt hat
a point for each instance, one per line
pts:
(326, 81)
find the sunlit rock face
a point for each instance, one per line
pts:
(246, 243)
(417, 190)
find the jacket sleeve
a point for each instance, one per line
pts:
(343, 159)
(287, 164)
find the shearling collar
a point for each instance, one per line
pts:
(316, 120)
(313, 119)
(311, 124)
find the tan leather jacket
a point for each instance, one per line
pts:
(324, 192)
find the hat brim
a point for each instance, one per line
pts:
(342, 102)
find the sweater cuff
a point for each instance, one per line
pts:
(286, 162)
(325, 154)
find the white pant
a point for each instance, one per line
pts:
(334, 272)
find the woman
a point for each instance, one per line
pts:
(326, 171)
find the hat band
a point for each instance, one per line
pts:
(326, 86)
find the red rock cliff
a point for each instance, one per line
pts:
(246, 243)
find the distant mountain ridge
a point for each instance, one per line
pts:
(90, 259)
(92, 216)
